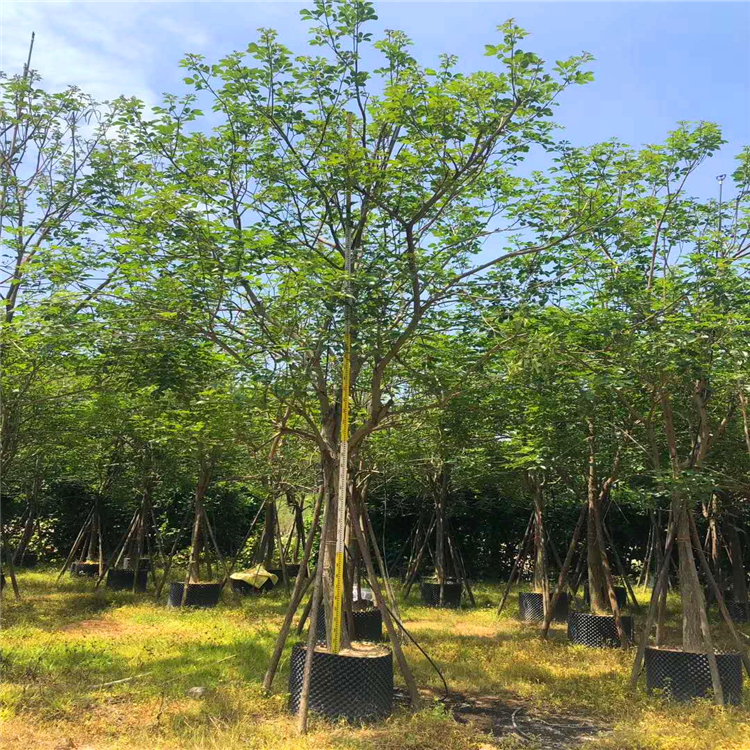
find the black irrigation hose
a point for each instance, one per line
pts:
(426, 655)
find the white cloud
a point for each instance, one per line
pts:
(106, 49)
(79, 44)
(193, 39)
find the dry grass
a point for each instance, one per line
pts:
(61, 641)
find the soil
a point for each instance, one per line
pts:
(360, 649)
(502, 716)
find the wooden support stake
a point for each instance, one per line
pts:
(659, 583)
(244, 542)
(300, 586)
(418, 561)
(516, 562)
(563, 577)
(312, 631)
(282, 553)
(621, 570)
(118, 551)
(356, 514)
(74, 548)
(11, 568)
(719, 596)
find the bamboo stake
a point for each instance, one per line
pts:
(192, 567)
(117, 551)
(282, 553)
(516, 563)
(458, 566)
(563, 577)
(719, 598)
(244, 542)
(213, 540)
(312, 631)
(621, 570)
(659, 583)
(406, 673)
(418, 561)
(608, 577)
(11, 568)
(172, 552)
(381, 565)
(708, 639)
(300, 587)
(74, 548)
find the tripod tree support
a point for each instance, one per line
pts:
(9, 560)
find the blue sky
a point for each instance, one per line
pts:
(656, 63)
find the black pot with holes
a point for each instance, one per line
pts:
(143, 563)
(29, 560)
(368, 625)
(246, 589)
(292, 570)
(621, 594)
(198, 594)
(89, 569)
(738, 611)
(123, 580)
(597, 631)
(531, 607)
(451, 594)
(685, 675)
(344, 686)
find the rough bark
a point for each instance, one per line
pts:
(540, 558)
(593, 543)
(739, 582)
(440, 502)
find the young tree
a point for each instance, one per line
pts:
(253, 218)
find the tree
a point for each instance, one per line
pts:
(253, 217)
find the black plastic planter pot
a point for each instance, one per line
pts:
(122, 580)
(431, 594)
(198, 594)
(356, 688)
(29, 560)
(531, 607)
(739, 611)
(597, 631)
(84, 569)
(686, 675)
(247, 589)
(368, 625)
(143, 564)
(292, 570)
(621, 594)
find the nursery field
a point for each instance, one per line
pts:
(508, 689)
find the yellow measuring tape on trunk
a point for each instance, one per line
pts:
(338, 579)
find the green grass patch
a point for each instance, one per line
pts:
(63, 640)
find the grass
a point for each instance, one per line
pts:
(63, 640)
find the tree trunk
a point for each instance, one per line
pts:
(714, 535)
(264, 554)
(440, 530)
(692, 598)
(331, 481)
(739, 583)
(593, 544)
(540, 561)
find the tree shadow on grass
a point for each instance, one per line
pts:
(53, 611)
